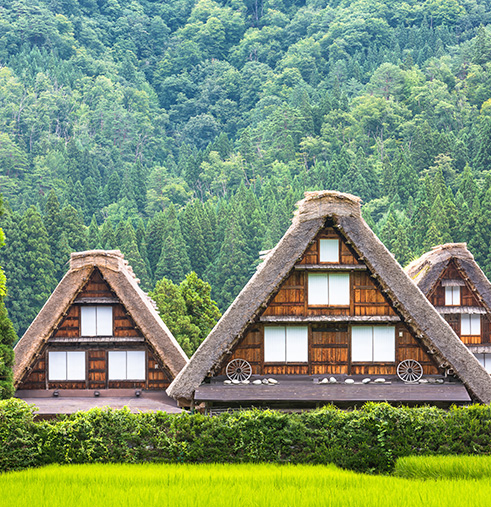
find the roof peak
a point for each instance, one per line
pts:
(324, 203)
(450, 246)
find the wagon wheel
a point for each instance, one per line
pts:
(238, 369)
(409, 370)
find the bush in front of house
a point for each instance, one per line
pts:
(369, 439)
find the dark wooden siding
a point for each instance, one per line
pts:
(158, 375)
(96, 287)
(330, 353)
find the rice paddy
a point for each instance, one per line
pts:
(229, 485)
(448, 467)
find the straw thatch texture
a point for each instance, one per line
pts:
(410, 303)
(426, 270)
(122, 281)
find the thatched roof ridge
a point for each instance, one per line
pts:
(309, 218)
(119, 275)
(426, 270)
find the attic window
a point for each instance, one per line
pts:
(470, 325)
(329, 289)
(452, 295)
(286, 344)
(66, 366)
(96, 320)
(328, 250)
(373, 344)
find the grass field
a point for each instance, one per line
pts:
(448, 467)
(230, 485)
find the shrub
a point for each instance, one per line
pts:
(369, 439)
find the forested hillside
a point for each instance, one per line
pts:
(183, 132)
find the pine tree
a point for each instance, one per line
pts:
(7, 335)
(92, 204)
(112, 189)
(78, 198)
(131, 253)
(482, 160)
(468, 186)
(107, 238)
(169, 265)
(93, 235)
(439, 231)
(74, 228)
(230, 271)
(173, 311)
(38, 280)
(154, 239)
(406, 178)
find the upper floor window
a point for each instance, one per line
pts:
(126, 365)
(470, 325)
(373, 344)
(96, 321)
(66, 366)
(485, 360)
(329, 289)
(452, 295)
(328, 250)
(286, 344)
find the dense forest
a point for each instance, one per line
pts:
(183, 132)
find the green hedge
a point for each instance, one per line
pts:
(369, 439)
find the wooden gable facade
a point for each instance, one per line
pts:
(457, 300)
(95, 350)
(330, 326)
(455, 285)
(95, 342)
(328, 317)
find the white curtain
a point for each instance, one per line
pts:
(361, 343)
(384, 344)
(274, 344)
(318, 289)
(297, 344)
(339, 289)
(329, 250)
(104, 321)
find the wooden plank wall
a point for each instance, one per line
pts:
(96, 287)
(329, 354)
(292, 297)
(158, 375)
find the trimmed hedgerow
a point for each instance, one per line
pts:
(370, 439)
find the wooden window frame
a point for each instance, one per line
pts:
(311, 305)
(373, 361)
(66, 379)
(145, 364)
(82, 307)
(453, 287)
(283, 363)
(319, 251)
(469, 317)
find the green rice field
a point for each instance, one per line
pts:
(448, 467)
(232, 485)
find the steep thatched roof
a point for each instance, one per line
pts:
(121, 279)
(412, 306)
(426, 270)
